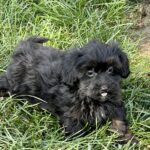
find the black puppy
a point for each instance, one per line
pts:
(80, 86)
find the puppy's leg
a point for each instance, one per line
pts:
(119, 124)
(4, 86)
(73, 127)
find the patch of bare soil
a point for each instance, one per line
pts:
(141, 28)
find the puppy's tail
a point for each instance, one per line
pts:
(4, 86)
(36, 39)
(30, 43)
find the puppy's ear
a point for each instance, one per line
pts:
(70, 73)
(123, 64)
(124, 68)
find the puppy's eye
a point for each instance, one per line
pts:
(91, 73)
(110, 70)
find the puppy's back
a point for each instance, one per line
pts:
(31, 62)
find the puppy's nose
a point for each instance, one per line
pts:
(104, 88)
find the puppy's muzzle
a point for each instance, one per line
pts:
(104, 90)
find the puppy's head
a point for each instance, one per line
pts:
(96, 70)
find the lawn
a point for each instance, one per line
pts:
(69, 23)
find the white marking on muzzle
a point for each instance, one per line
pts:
(104, 94)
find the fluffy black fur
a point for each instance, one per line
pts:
(80, 86)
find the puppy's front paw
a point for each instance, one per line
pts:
(126, 138)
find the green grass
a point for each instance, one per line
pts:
(69, 23)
